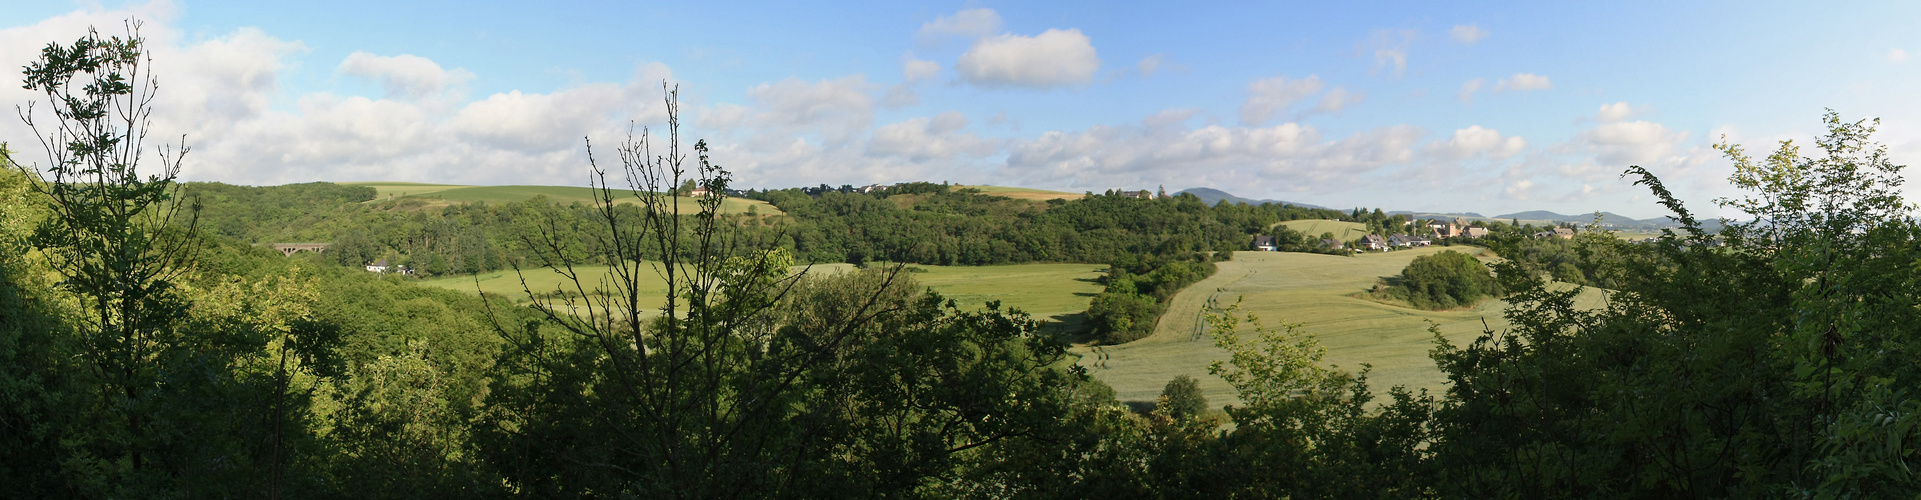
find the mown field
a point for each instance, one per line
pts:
(1307, 289)
(509, 194)
(1055, 292)
(1027, 193)
(1344, 231)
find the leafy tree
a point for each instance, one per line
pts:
(749, 381)
(1184, 398)
(1447, 279)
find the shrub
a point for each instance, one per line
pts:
(1446, 280)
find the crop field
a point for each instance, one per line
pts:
(1027, 193)
(1056, 292)
(1344, 231)
(383, 190)
(558, 194)
(1306, 289)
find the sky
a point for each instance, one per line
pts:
(1427, 106)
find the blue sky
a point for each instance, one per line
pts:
(1482, 107)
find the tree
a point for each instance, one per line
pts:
(1447, 279)
(111, 233)
(1184, 398)
(746, 380)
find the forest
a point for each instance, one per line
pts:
(150, 349)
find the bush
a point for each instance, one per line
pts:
(1447, 280)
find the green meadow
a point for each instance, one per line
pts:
(558, 194)
(1310, 290)
(1344, 231)
(1056, 292)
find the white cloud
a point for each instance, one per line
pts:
(899, 96)
(1338, 99)
(1053, 58)
(1159, 150)
(1467, 33)
(1390, 49)
(1476, 141)
(922, 139)
(1897, 56)
(1619, 144)
(1150, 64)
(1524, 81)
(1610, 113)
(836, 109)
(1467, 90)
(404, 75)
(970, 23)
(916, 70)
(1268, 97)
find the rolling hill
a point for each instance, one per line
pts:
(1214, 196)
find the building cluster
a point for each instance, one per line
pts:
(1439, 230)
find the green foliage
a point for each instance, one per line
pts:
(1137, 292)
(1183, 398)
(1769, 367)
(1447, 280)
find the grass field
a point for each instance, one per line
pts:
(1027, 193)
(1344, 231)
(1058, 292)
(510, 194)
(1307, 289)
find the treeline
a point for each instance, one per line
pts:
(919, 223)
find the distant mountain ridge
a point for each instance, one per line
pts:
(1214, 196)
(1606, 218)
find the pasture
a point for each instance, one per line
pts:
(1025, 193)
(558, 194)
(1055, 292)
(1306, 289)
(1314, 228)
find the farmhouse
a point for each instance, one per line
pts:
(1264, 243)
(378, 266)
(1374, 242)
(1333, 244)
(1475, 232)
(1403, 240)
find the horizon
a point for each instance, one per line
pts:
(1482, 108)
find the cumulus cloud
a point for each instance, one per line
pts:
(1615, 112)
(1621, 143)
(1268, 97)
(1467, 33)
(1468, 89)
(1524, 81)
(1338, 99)
(970, 23)
(404, 75)
(1054, 58)
(1476, 141)
(927, 138)
(1159, 149)
(917, 70)
(1897, 56)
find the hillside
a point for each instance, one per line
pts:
(1313, 228)
(1214, 196)
(510, 194)
(1308, 289)
(1025, 193)
(1615, 219)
